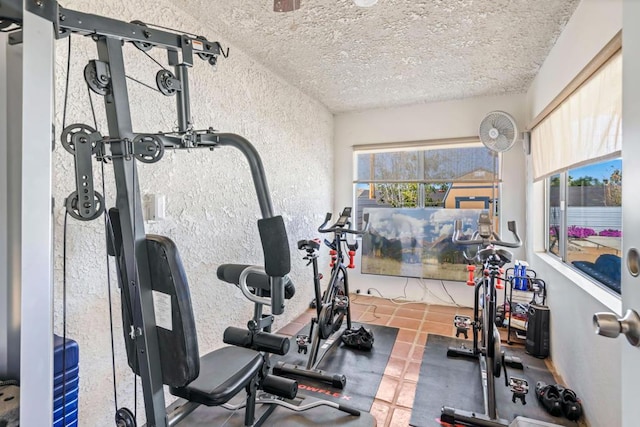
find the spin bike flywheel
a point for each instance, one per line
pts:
(332, 313)
(497, 356)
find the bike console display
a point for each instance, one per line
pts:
(484, 226)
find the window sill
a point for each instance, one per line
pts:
(611, 301)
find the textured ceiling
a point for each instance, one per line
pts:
(396, 52)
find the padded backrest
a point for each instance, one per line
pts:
(175, 325)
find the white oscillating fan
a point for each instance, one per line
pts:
(498, 131)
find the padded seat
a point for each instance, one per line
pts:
(223, 374)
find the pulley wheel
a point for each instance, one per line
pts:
(94, 81)
(148, 148)
(165, 81)
(145, 47)
(66, 138)
(73, 206)
(125, 418)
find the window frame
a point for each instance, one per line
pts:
(562, 255)
(421, 146)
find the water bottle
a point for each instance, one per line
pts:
(520, 273)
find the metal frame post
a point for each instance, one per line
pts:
(136, 275)
(36, 238)
(5, 289)
(10, 194)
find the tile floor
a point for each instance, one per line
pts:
(393, 403)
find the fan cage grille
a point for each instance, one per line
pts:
(505, 126)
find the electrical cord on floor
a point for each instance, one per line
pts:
(404, 299)
(400, 300)
(354, 300)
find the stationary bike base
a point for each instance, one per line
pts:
(336, 380)
(452, 416)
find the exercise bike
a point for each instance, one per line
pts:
(488, 353)
(332, 306)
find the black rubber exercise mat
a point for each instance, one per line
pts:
(363, 369)
(455, 382)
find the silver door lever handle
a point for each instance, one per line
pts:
(609, 325)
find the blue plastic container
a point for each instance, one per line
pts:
(70, 406)
(72, 356)
(71, 420)
(71, 374)
(71, 395)
(70, 385)
(65, 382)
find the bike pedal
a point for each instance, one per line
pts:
(302, 341)
(462, 324)
(518, 385)
(341, 302)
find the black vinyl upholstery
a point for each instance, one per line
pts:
(223, 373)
(230, 273)
(211, 380)
(179, 355)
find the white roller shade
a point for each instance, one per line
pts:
(587, 126)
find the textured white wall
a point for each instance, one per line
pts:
(211, 204)
(576, 46)
(422, 122)
(589, 364)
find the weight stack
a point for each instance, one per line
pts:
(65, 382)
(538, 331)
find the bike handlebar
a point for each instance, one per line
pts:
(491, 239)
(343, 223)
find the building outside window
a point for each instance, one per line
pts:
(455, 177)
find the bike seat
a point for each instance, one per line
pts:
(308, 245)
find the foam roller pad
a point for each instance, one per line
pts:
(230, 273)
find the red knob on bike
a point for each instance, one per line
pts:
(352, 255)
(499, 284)
(471, 269)
(334, 257)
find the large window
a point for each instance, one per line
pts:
(588, 233)
(459, 176)
(413, 195)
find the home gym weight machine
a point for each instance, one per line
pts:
(148, 262)
(332, 306)
(487, 352)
